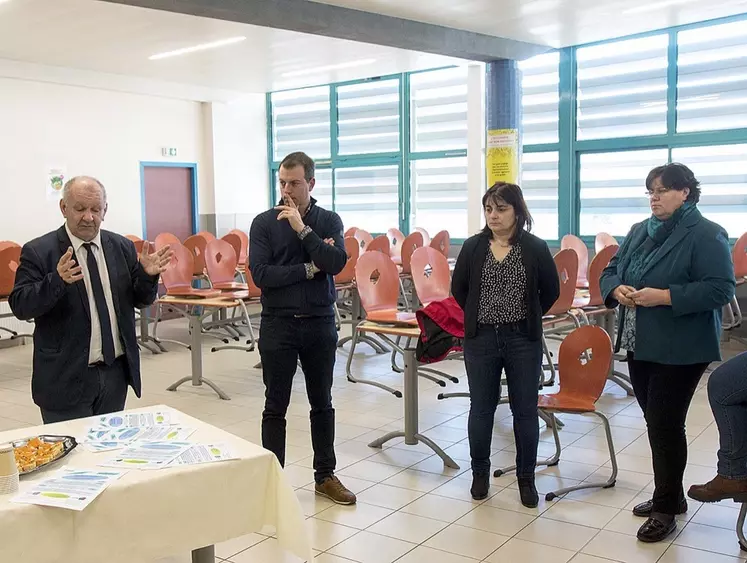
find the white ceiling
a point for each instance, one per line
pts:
(88, 35)
(558, 23)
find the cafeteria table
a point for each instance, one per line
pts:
(411, 433)
(197, 309)
(149, 515)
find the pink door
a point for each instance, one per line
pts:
(169, 207)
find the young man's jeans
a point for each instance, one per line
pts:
(283, 342)
(493, 350)
(727, 392)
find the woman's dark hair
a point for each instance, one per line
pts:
(509, 194)
(675, 176)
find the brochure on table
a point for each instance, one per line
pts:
(205, 453)
(148, 455)
(72, 489)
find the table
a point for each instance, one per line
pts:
(196, 316)
(148, 515)
(411, 433)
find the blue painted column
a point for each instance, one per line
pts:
(503, 121)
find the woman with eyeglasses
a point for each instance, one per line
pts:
(672, 276)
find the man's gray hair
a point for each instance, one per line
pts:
(72, 181)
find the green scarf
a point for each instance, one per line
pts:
(658, 232)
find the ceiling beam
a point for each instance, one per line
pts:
(315, 18)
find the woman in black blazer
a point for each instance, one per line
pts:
(505, 279)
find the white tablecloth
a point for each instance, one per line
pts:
(147, 515)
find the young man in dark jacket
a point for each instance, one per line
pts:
(295, 250)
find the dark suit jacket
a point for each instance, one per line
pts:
(695, 265)
(543, 284)
(63, 319)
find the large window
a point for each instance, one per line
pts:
(613, 189)
(622, 88)
(368, 117)
(439, 195)
(722, 171)
(540, 96)
(438, 110)
(712, 77)
(367, 197)
(300, 122)
(392, 151)
(539, 182)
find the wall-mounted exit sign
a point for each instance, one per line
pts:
(168, 151)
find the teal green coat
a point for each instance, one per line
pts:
(695, 266)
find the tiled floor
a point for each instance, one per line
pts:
(411, 509)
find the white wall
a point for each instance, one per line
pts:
(237, 134)
(90, 131)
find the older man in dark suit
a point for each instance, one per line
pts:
(81, 285)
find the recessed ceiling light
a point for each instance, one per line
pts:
(655, 6)
(325, 68)
(196, 48)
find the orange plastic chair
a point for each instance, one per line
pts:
(178, 276)
(8, 244)
(166, 239)
(254, 291)
(566, 262)
(207, 234)
(739, 255)
(347, 275)
(396, 238)
(600, 261)
(576, 244)
(584, 361)
(133, 238)
(379, 295)
(10, 258)
(364, 238)
(412, 242)
(603, 240)
(426, 236)
(244, 238)
(139, 244)
(197, 244)
(380, 243)
(430, 274)
(235, 241)
(441, 242)
(350, 232)
(221, 262)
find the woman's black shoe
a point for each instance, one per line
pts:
(645, 509)
(528, 492)
(657, 528)
(480, 486)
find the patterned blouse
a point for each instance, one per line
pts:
(503, 289)
(627, 341)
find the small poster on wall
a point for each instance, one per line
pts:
(56, 178)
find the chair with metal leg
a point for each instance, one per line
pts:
(561, 317)
(221, 264)
(396, 238)
(592, 307)
(425, 235)
(572, 242)
(364, 238)
(584, 359)
(441, 242)
(380, 243)
(412, 242)
(345, 284)
(432, 282)
(10, 259)
(603, 240)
